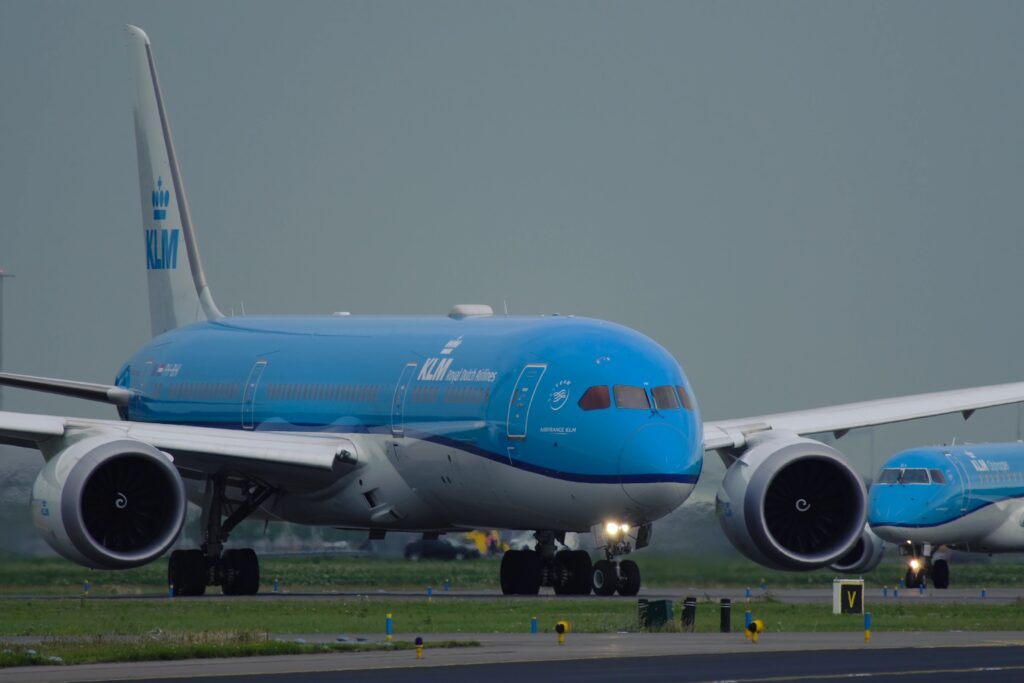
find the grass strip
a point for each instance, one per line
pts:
(86, 617)
(56, 576)
(195, 645)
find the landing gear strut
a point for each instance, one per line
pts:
(523, 572)
(925, 563)
(610, 576)
(236, 571)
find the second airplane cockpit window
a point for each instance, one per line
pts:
(910, 475)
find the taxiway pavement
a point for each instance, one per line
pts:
(934, 656)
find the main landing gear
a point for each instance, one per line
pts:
(236, 571)
(568, 572)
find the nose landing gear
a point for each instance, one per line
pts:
(925, 562)
(610, 576)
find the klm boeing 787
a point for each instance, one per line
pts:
(967, 497)
(549, 424)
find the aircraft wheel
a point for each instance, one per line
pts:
(241, 572)
(186, 571)
(604, 578)
(940, 574)
(529, 572)
(629, 581)
(913, 579)
(582, 571)
(510, 571)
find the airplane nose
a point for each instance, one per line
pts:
(891, 508)
(650, 465)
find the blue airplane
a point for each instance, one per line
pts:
(550, 424)
(930, 501)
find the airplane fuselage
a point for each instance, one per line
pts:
(969, 497)
(459, 422)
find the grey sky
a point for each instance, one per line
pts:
(805, 202)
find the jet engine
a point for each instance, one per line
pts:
(109, 503)
(791, 503)
(864, 556)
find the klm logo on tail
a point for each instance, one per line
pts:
(161, 243)
(161, 199)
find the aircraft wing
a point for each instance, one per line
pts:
(839, 419)
(105, 393)
(292, 460)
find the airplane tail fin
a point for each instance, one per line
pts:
(178, 292)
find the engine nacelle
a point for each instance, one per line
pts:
(109, 503)
(791, 502)
(864, 556)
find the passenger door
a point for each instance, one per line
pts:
(398, 402)
(522, 399)
(249, 394)
(965, 481)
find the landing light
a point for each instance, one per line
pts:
(614, 529)
(915, 564)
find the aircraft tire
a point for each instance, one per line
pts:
(186, 572)
(510, 570)
(529, 572)
(582, 571)
(629, 580)
(241, 572)
(604, 578)
(940, 574)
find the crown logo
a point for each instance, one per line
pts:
(161, 200)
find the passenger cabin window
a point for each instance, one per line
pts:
(631, 397)
(595, 398)
(665, 397)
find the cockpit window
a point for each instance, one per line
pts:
(685, 398)
(937, 477)
(888, 476)
(595, 398)
(914, 476)
(631, 397)
(906, 476)
(665, 397)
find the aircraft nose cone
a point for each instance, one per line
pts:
(652, 464)
(890, 509)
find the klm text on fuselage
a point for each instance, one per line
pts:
(162, 249)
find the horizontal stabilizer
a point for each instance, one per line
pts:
(105, 393)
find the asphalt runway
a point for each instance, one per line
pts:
(821, 595)
(939, 656)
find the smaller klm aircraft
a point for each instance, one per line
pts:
(968, 497)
